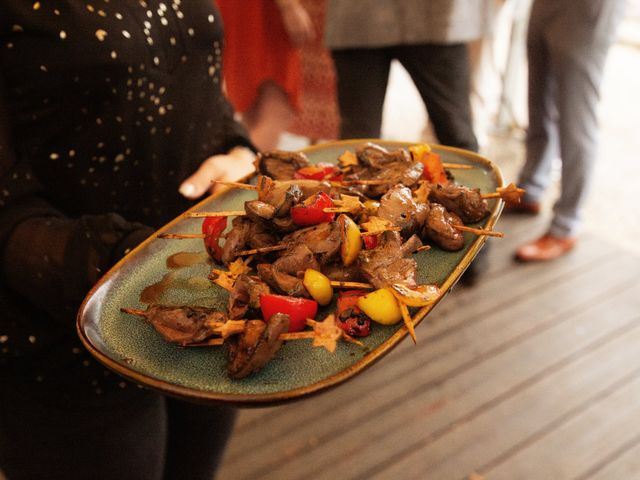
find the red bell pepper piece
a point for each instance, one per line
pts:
(350, 318)
(320, 171)
(212, 227)
(298, 309)
(310, 211)
(370, 241)
(433, 169)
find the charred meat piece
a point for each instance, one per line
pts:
(439, 228)
(463, 201)
(399, 207)
(285, 274)
(259, 212)
(377, 163)
(389, 262)
(280, 164)
(249, 351)
(245, 296)
(322, 239)
(246, 234)
(341, 273)
(183, 325)
(276, 192)
(372, 155)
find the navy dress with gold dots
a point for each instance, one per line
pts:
(106, 106)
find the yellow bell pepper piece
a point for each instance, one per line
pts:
(351, 239)
(381, 306)
(318, 285)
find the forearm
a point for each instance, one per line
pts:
(53, 261)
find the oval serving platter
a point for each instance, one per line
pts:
(129, 346)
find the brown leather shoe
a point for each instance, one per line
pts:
(522, 207)
(545, 248)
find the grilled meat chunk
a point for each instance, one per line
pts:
(280, 164)
(463, 201)
(390, 261)
(252, 349)
(439, 228)
(322, 239)
(245, 296)
(399, 207)
(285, 274)
(246, 234)
(377, 163)
(183, 325)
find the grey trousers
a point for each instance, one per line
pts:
(567, 45)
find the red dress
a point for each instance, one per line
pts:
(319, 117)
(257, 49)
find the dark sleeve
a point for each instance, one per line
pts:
(51, 260)
(234, 133)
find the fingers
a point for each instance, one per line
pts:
(234, 166)
(199, 183)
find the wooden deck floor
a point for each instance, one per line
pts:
(532, 374)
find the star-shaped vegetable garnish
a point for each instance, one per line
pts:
(226, 279)
(376, 225)
(347, 203)
(348, 158)
(421, 194)
(230, 327)
(511, 194)
(326, 333)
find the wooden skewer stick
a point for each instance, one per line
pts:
(228, 213)
(243, 186)
(408, 321)
(378, 232)
(510, 193)
(134, 311)
(338, 210)
(478, 231)
(272, 248)
(181, 235)
(214, 342)
(423, 248)
(338, 284)
(457, 166)
(360, 182)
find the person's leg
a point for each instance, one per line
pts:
(362, 76)
(578, 58)
(542, 135)
(442, 75)
(270, 117)
(197, 436)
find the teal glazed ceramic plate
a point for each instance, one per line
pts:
(175, 272)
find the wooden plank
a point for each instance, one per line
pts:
(358, 417)
(623, 463)
(495, 435)
(583, 441)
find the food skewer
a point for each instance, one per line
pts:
(510, 194)
(179, 236)
(272, 248)
(478, 231)
(458, 166)
(222, 213)
(408, 321)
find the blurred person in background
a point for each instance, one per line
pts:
(262, 63)
(107, 112)
(430, 40)
(567, 45)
